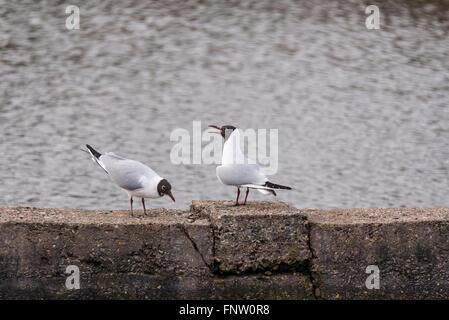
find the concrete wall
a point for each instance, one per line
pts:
(265, 250)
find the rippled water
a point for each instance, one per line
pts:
(363, 115)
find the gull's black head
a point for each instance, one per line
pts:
(164, 188)
(225, 131)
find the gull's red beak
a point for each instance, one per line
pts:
(215, 127)
(171, 196)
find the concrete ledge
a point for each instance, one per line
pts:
(36, 246)
(409, 246)
(263, 236)
(265, 250)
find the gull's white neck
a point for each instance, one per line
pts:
(232, 154)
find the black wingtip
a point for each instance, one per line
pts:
(94, 152)
(276, 186)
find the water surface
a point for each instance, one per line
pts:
(363, 115)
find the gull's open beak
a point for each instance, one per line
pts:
(215, 127)
(171, 196)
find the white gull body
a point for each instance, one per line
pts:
(135, 178)
(237, 170)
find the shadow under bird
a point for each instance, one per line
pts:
(137, 179)
(236, 169)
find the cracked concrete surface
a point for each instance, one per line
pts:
(207, 263)
(265, 250)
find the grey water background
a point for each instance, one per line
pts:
(363, 115)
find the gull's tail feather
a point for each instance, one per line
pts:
(267, 188)
(267, 191)
(276, 186)
(96, 156)
(264, 189)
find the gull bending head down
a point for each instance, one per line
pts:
(137, 179)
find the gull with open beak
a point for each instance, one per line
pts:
(137, 179)
(236, 170)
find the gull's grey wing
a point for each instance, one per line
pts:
(240, 174)
(126, 173)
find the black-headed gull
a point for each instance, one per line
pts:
(235, 169)
(137, 179)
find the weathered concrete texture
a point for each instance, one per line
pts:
(285, 286)
(36, 246)
(146, 286)
(267, 235)
(265, 250)
(409, 246)
(108, 286)
(167, 255)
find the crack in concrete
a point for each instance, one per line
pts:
(195, 247)
(309, 272)
(305, 268)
